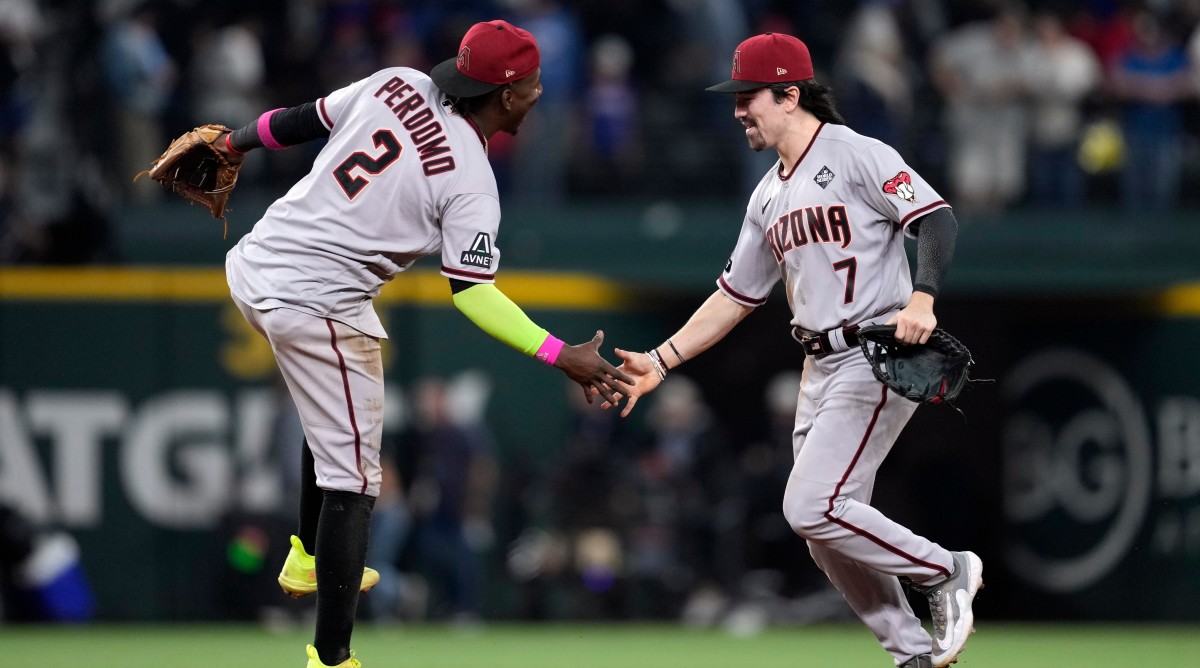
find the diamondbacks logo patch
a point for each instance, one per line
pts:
(823, 177)
(480, 254)
(900, 185)
(464, 59)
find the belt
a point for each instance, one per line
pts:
(823, 343)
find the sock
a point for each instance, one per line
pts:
(310, 500)
(341, 552)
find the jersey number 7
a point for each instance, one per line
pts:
(851, 266)
(353, 184)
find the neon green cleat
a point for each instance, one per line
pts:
(299, 575)
(314, 661)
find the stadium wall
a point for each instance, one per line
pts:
(135, 407)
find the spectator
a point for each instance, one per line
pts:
(692, 154)
(1062, 72)
(586, 505)
(228, 74)
(399, 595)
(611, 138)
(874, 77)
(978, 69)
(20, 28)
(1151, 79)
(451, 493)
(538, 171)
(679, 544)
(141, 77)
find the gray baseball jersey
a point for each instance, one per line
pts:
(401, 176)
(834, 217)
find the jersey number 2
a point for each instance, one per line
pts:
(353, 184)
(851, 267)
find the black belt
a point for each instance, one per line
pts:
(820, 345)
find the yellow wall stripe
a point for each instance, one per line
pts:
(1180, 300)
(545, 290)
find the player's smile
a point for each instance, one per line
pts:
(742, 112)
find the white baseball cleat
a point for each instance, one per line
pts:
(950, 607)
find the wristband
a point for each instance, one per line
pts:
(264, 130)
(549, 350)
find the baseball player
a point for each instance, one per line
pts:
(829, 218)
(404, 174)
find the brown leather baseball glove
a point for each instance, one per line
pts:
(198, 167)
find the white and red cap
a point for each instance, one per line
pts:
(767, 59)
(492, 53)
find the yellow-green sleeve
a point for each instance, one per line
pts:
(493, 312)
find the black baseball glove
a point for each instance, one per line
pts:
(934, 372)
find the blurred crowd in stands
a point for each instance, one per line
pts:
(667, 516)
(1049, 102)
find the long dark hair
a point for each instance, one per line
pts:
(815, 98)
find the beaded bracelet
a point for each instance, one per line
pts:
(659, 366)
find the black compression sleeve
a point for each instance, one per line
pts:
(457, 286)
(289, 127)
(936, 236)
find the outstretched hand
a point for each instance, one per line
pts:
(644, 379)
(584, 365)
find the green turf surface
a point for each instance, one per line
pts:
(587, 646)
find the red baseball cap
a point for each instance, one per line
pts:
(766, 59)
(492, 53)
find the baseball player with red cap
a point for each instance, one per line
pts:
(829, 218)
(404, 174)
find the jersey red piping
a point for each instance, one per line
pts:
(324, 114)
(737, 296)
(482, 139)
(349, 405)
(806, 150)
(846, 476)
(468, 274)
(921, 211)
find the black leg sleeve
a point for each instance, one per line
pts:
(341, 554)
(311, 497)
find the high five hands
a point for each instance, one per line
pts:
(584, 365)
(640, 378)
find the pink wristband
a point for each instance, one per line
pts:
(264, 130)
(550, 349)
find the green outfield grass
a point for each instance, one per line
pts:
(587, 646)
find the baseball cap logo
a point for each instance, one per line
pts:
(464, 58)
(508, 73)
(737, 62)
(780, 71)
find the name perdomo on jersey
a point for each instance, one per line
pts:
(426, 134)
(816, 224)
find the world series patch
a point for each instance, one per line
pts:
(823, 177)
